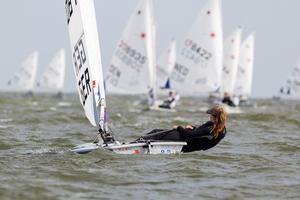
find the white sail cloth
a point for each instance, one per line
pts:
(231, 60)
(25, 75)
(54, 75)
(86, 59)
(132, 67)
(245, 68)
(199, 60)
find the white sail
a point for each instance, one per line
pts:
(86, 58)
(291, 89)
(25, 76)
(166, 64)
(131, 68)
(231, 60)
(199, 62)
(54, 76)
(245, 68)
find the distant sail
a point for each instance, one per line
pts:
(132, 67)
(54, 75)
(231, 60)
(245, 68)
(25, 76)
(199, 61)
(166, 65)
(291, 89)
(85, 48)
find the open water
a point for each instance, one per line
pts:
(258, 159)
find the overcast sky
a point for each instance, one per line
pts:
(41, 25)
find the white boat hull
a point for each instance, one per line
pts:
(143, 147)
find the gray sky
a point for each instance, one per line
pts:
(41, 25)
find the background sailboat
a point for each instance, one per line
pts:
(166, 65)
(25, 76)
(291, 89)
(231, 61)
(245, 69)
(132, 69)
(54, 76)
(199, 60)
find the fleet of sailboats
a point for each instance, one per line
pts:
(202, 65)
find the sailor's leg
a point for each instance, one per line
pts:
(169, 135)
(156, 131)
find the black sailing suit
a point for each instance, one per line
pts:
(197, 139)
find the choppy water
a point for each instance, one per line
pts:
(258, 159)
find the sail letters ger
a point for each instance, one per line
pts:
(86, 55)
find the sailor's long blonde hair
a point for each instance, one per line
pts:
(219, 120)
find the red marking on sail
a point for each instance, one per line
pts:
(94, 83)
(136, 151)
(212, 35)
(143, 35)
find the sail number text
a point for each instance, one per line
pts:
(81, 69)
(195, 52)
(180, 73)
(69, 9)
(130, 56)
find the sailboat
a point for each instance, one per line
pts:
(229, 72)
(166, 65)
(245, 70)
(54, 76)
(132, 69)
(25, 76)
(164, 68)
(231, 61)
(199, 62)
(88, 69)
(291, 89)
